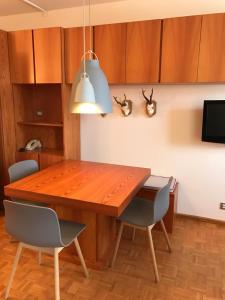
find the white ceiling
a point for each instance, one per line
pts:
(13, 7)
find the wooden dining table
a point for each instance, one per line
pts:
(87, 192)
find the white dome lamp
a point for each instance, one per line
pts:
(90, 89)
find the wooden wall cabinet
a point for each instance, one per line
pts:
(74, 50)
(129, 52)
(36, 56)
(48, 55)
(21, 56)
(212, 54)
(7, 125)
(180, 49)
(110, 47)
(143, 51)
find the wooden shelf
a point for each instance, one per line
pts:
(40, 124)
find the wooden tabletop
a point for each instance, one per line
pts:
(99, 187)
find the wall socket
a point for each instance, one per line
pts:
(222, 205)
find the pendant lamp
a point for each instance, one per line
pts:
(90, 89)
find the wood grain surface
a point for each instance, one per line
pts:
(74, 50)
(98, 187)
(48, 55)
(21, 56)
(110, 47)
(212, 54)
(180, 49)
(143, 51)
(193, 271)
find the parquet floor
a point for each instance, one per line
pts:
(194, 271)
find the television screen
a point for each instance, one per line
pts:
(213, 126)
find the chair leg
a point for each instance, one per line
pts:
(39, 257)
(81, 257)
(149, 229)
(133, 234)
(166, 235)
(56, 274)
(117, 244)
(16, 260)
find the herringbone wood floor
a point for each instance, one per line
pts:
(194, 271)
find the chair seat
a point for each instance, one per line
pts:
(70, 230)
(139, 212)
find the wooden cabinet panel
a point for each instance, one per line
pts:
(110, 44)
(180, 49)
(212, 54)
(48, 60)
(48, 158)
(7, 121)
(74, 50)
(27, 155)
(21, 56)
(143, 51)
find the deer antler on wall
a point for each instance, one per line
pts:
(150, 104)
(126, 105)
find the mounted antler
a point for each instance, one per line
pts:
(150, 104)
(118, 102)
(126, 105)
(150, 97)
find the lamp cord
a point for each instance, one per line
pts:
(84, 37)
(90, 29)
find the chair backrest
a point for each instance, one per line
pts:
(22, 169)
(33, 225)
(161, 201)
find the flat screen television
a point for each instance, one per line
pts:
(213, 125)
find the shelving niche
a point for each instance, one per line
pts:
(39, 114)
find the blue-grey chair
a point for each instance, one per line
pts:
(38, 228)
(142, 213)
(20, 170)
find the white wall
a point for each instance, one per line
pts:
(169, 143)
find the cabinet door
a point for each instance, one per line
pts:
(47, 159)
(110, 44)
(143, 51)
(74, 50)
(21, 56)
(180, 49)
(212, 54)
(47, 55)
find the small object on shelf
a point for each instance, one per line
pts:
(33, 145)
(156, 182)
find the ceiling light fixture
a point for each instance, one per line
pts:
(90, 89)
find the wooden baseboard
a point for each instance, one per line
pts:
(202, 219)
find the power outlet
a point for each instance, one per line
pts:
(222, 205)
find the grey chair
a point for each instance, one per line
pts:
(38, 228)
(20, 170)
(144, 214)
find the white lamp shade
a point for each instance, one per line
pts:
(84, 91)
(83, 97)
(99, 82)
